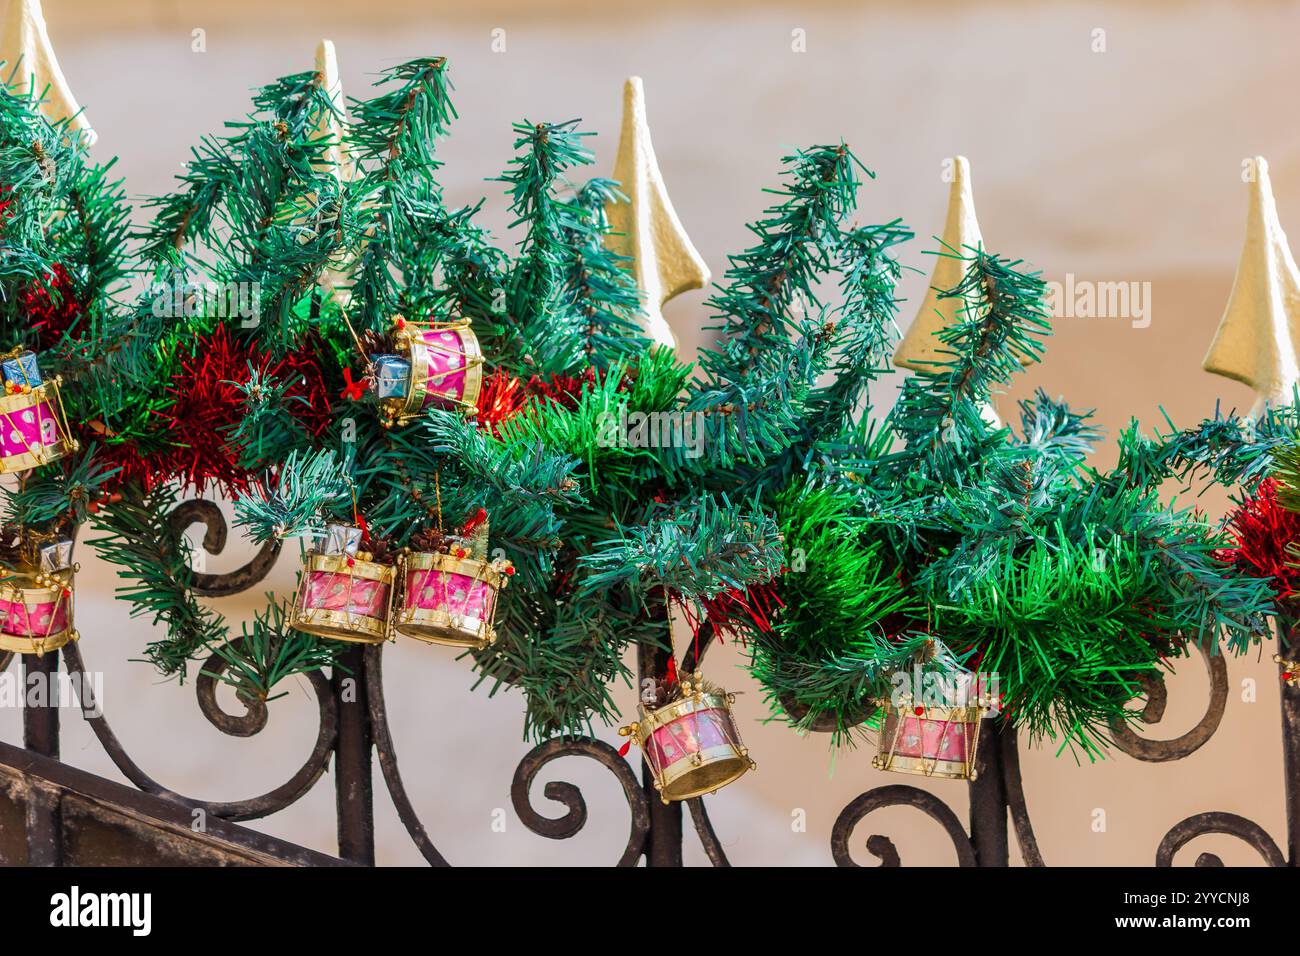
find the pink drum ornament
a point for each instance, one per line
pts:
(930, 741)
(446, 368)
(691, 745)
(448, 600)
(33, 429)
(36, 612)
(343, 598)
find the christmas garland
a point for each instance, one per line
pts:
(943, 539)
(463, 437)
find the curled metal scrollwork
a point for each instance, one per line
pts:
(1157, 751)
(882, 847)
(388, 758)
(251, 809)
(208, 513)
(255, 713)
(561, 828)
(1231, 824)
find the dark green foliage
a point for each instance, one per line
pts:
(267, 653)
(154, 559)
(1001, 544)
(836, 642)
(62, 264)
(1228, 449)
(568, 500)
(696, 554)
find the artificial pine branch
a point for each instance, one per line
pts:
(540, 295)
(154, 560)
(953, 528)
(940, 416)
(849, 620)
(268, 652)
(777, 336)
(695, 552)
(289, 503)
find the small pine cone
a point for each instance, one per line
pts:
(430, 539)
(376, 343)
(381, 551)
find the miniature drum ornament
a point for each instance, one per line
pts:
(446, 368)
(692, 745)
(435, 365)
(930, 741)
(448, 600)
(36, 612)
(33, 430)
(343, 598)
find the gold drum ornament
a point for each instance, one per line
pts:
(444, 369)
(691, 745)
(938, 741)
(36, 611)
(448, 600)
(33, 428)
(344, 598)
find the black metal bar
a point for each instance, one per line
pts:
(988, 800)
(44, 826)
(708, 836)
(1287, 634)
(41, 735)
(41, 722)
(1016, 803)
(663, 845)
(352, 755)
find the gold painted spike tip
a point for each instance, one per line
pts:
(1256, 340)
(646, 228)
(961, 231)
(29, 59)
(337, 158)
(331, 126)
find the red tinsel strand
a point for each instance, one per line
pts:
(566, 390)
(209, 403)
(756, 605)
(562, 583)
(1263, 531)
(52, 306)
(563, 390)
(308, 396)
(123, 459)
(502, 396)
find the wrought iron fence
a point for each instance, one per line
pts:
(353, 731)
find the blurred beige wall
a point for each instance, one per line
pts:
(1123, 165)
